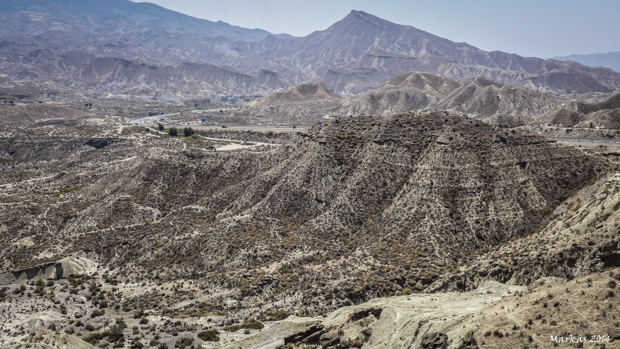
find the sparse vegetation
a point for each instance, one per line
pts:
(209, 336)
(364, 199)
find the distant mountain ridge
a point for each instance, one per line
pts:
(43, 41)
(100, 71)
(65, 14)
(362, 51)
(610, 60)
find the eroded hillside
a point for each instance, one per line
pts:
(602, 114)
(361, 208)
(499, 104)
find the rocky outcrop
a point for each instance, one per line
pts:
(47, 271)
(434, 340)
(414, 321)
(494, 316)
(51, 271)
(431, 84)
(406, 92)
(301, 93)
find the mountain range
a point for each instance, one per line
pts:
(610, 60)
(52, 43)
(97, 19)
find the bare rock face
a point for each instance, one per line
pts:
(548, 312)
(310, 333)
(45, 272)
(61, 269)
(469, 342)
(329, 339)
(405, 92)
(432, 321)
(434, 340)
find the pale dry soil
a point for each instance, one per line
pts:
(496, 315)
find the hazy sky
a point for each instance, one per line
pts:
(541, 28)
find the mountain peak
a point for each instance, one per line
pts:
(355, 15)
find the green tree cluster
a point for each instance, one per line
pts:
(188, 131)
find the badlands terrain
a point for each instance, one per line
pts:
(421, 229)
(479, 98)
(171, 182)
